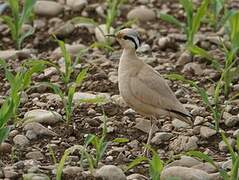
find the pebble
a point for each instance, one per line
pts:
(223, 147)
(161, 137)
(38, 129)
(35, 176)
(63, 30)
(207, 167)
(21, 140)
(10, 173)
(100, 34)
(77, 5)
(141, 13)
(185, 161)
(109, 172)
(184, 58)
(184, 173)
(180, 124)
(198, 120)
(5, 148)
(184, 143)
(37, 155)
(136, 177)
(73, 50)
(144, 125)
(48, 8)
(8, 54)
(230, 120)
(207, 132)
(42, 116)
(192, 67)
(72, 171)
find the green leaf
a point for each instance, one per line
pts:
(10, 22)
(81, 76)
(135, 162)
(156, 167)
(199, 15)
(170, 19)
(188, 7)
(230, 148)
(27, 9)
(4, 131)
(24, 36)
(120, 140)
(234, 172)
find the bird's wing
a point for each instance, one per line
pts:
(150, 88)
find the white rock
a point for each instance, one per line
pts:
(77, 5)
(101, 31)
(38, 129)
(184, 173)
(48, 8)
(8, 54)
(207, 132)
(110, 172)
(42, 116)
(141, 13)
(136, 177)
(198, 120)
(33, 176)
(180, 124)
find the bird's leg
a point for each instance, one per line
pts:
(153, 124)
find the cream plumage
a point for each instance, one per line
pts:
(142, 88)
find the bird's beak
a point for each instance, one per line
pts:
(110, 35)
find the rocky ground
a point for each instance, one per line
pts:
(26, 153)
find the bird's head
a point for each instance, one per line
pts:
(128, 38)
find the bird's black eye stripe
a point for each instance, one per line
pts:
(131, 39)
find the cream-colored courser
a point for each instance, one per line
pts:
(142, 88)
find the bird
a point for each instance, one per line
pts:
(143, 88)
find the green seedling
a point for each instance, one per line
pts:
(233, 175)
(193, 19)
(17, 19)
(18, 83)
(100, 146)
(64, 158)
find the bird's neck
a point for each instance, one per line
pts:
(129, 53)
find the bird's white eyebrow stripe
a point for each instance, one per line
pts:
(134, 39)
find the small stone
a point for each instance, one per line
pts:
(73, 50)
(110, 172)
(33, 176)
(10, 173)
(180, 124)
(144, 125)
(198, 111)
(141, 13)
(230, 120)
(8, 54)
(21, 140)
(136, 177)
(77, 5)
(184, 58)
(223, 146)
(48, 8)
(144, 48)
(38, 129)
(161, 137)
(5, 148)
(184, 173)
(63, 30)
(37, 155)
(207, 132)
(163, 42)
(78, 96)
(198, 120)
(236, 133)
(192, 67)
(42, 116)
(72, 171)
(184, 143)
(101, 31)
(134, 144)
(185, 161)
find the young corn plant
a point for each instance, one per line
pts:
(17, 19)
(18, 83)
(156, 165)
(99, 144)
(229, 70)
(233, 174)
(193, 19)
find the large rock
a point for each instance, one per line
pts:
(48, 8)
(42, 116)
(110, 172)
(185, 173)
(141, 13)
